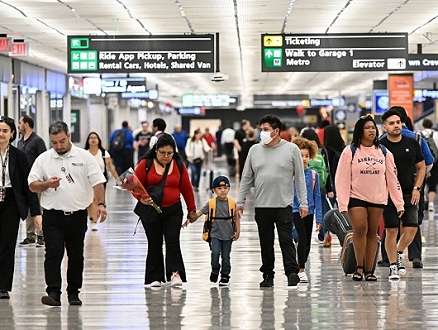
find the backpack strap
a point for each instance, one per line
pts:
(353, 150)
(313, 178)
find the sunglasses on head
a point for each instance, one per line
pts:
(366, 117)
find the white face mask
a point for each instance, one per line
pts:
(265, 137)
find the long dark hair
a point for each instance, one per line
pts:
(193, 138)
(333, 138)
(358, 131)
(163, 141)
(99, 145)
(311, 135)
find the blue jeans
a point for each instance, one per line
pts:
(218, 248)
(195, 173)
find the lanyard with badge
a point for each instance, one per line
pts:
(3, 188)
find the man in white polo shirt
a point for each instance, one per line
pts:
(66, 177)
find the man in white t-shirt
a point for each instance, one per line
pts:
(67, 177)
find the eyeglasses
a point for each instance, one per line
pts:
(6, 119)
(164, 153)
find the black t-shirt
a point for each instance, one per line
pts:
(407, 153)
(240, 136)
(143, 138)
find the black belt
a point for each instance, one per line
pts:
(63, 212)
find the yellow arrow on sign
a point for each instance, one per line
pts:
(273, 41)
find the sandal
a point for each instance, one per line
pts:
(356, 275)
(369, 276)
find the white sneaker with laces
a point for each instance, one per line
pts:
(393, 272)
(155, 284)
(400, 265)
(303, 277)
(175, 279)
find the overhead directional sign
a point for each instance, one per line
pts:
(334, 52)
(138, 54)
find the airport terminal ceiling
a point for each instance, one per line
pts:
(45, 25)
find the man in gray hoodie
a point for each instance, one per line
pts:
(271, 166)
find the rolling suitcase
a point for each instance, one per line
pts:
(340, 224)
(348, 259)
(337, 223)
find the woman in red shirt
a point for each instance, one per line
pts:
(169, 222)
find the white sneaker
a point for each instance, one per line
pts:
(155, 284)
(400, 265)
(93, 226)
(175, 279)
(393, 272)
(303, 277)
(431, 208)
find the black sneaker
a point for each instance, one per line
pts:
(4, 294)
(268, 281)
(224, 280)
(40, 241)
(293, 280)
(213, 277)
(27, 242)
(417, 263)
(73, 299)
(52, 299)
(383, 263)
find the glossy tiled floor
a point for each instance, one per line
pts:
(114, 296)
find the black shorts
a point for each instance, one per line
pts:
(355, 202)
(409, 217)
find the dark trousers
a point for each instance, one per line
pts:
(123, 159)
(9, 224)
(168, 225)
(414, 249)
(266, 218)
(304, 228)
(64, 232)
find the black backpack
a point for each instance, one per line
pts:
(118, 143)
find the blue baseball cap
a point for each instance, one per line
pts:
(219, 179)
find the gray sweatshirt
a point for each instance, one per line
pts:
(272, 170)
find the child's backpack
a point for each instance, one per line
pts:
(118, 142)
(432, 145)
(318, 164)
(210, 217)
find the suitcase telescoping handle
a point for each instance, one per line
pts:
(329, 202)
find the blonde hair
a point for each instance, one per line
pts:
(309, 145)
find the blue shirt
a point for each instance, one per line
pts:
(129, 138)
(313, 196)
(428, 158)
(180, 139)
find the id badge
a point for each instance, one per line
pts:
(2, 194)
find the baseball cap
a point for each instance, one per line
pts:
(219, 179)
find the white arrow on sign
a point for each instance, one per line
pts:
(396, 63)
(268, 54)
(75, 43)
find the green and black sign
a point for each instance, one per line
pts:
(140, 54)
(334, 52)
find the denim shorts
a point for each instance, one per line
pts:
(409, 217)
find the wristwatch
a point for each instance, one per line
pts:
(103, 204)
(417, 188)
